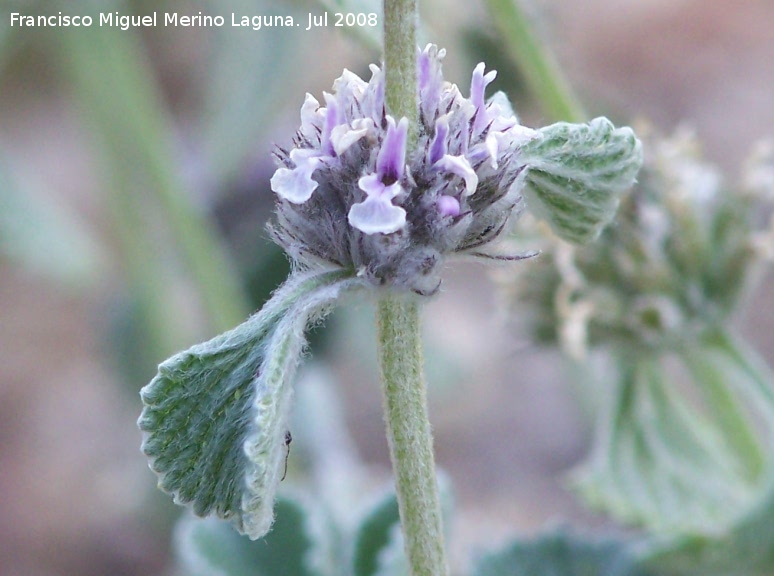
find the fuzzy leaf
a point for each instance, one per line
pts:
(742, 541)
(215, 415)
(577, 173)
(560, 554)
(212, 548)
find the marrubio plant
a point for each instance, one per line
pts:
(368, 202)
(682, 404)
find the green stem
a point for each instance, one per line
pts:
(533, 58)
(409, 434)
(400, 62)
(400, 345)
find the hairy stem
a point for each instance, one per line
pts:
(409, 434)
(400, 346)
(400, 62)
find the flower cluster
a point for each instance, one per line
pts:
(350, 192)
(676, 262)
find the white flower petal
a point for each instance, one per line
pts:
(376, 214)
(296, 185)
(492, 144)
(344, 135)
(461, 167)
(312, 117)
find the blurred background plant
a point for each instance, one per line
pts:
(682, 404)
(134, 172)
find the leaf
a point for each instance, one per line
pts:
(742, 544)
(378, 541)
(245, 81)
(560, 554)
(120, 99)
(684, 456)
(45, 235)
(216, 415)
(212, 547)
(374, 534)
(577, 173)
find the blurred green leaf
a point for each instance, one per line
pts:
(743, 543)
(212, 547)
(374, 534)
(744, 550)
(247, 78)
(577, 173)
(45, 235)
(117, 93)
(215, 415)
(521, 41)
(378, 541)
(684, 457)
(560, 554)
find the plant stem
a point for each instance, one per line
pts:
(400, 62)
(400, 344)
(409, 434)
(543, 75)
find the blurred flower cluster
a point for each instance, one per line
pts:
(682, 406)
(676, 261)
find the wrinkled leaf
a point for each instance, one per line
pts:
(577, 173)
(743, 542)
(212, 548)
(216, 415)
(560, 554)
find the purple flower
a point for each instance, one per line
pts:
(349, 194)
(377, 213)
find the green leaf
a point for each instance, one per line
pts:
(216, 415)
(744, 543)
(120, 99)
(378, 542)
(560, 554)
(212, 547)
(683, 456)
(244, 84)
(576, 174)
(44, 235)
(374, 534)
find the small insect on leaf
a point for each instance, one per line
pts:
(288, 440)
(215, 415)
